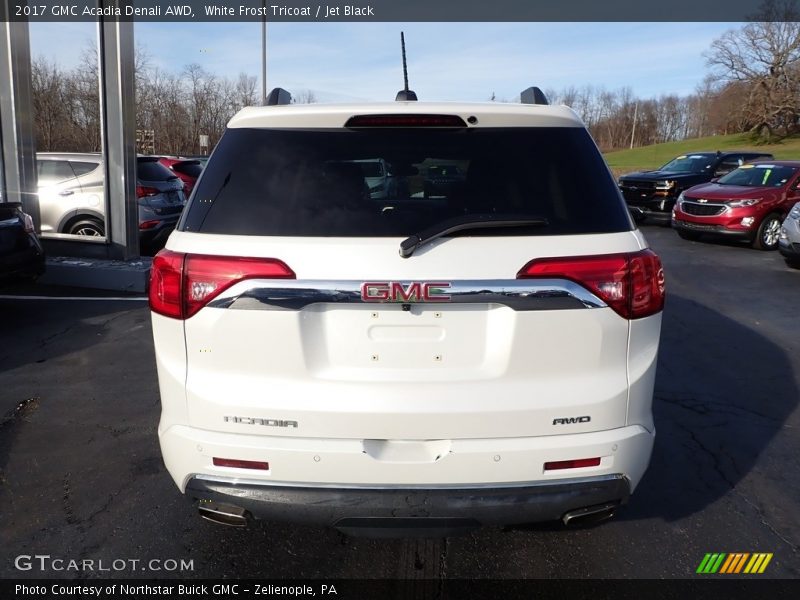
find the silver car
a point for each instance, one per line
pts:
(71, 196)
(789, 240)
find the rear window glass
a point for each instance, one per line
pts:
(286, 182)
(192, 169)
(152, 170)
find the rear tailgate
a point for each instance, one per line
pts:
(337, 367)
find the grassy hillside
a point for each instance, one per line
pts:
(651, 157)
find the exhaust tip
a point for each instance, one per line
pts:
(223, 514)
(590, 514)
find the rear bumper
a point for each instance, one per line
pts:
(158, 235)
(445, 508)
(328, 462)
(344, 484)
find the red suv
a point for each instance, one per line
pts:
(748, 203)
(188, 170)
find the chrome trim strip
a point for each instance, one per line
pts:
(518, 294)
(447, 486)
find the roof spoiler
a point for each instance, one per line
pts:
(279, 96)
(533, 95)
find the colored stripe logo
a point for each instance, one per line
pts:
(734, 563)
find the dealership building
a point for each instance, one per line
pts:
(115, 257)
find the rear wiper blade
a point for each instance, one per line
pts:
(463, 223)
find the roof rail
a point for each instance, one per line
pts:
(533, 95)
(279, 96)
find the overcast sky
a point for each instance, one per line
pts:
(447, 61)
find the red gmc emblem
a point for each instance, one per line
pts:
(393, 291)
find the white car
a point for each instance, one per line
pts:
(419, 364)
(789, 237)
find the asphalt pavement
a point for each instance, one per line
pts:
(81, 476)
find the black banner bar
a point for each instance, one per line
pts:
(732, 587)
(406, 10)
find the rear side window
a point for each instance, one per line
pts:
(152, 170)
(286, 182)
(82, 168)
(192, 169)
(729, 164)
(692, 163)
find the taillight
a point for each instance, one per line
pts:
(182, 284)
(647, 284)
(166, 274)
(148, 224)
(206, 277)
(631, 283)
(143, 190)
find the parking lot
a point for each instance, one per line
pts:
(81, 475)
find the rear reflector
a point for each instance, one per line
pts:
(571, 464)
(182, 284)
(241, 464)
(148, 224)
(631, 283)
(405, 121)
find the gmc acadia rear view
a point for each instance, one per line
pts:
(411, 362)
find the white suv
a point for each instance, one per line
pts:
(427, 364)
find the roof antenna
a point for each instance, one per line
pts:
(405, 95)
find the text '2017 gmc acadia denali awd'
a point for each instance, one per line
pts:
(483, 355)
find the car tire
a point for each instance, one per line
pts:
(692, 236)
(794, 263)
(768, 232)
(88, 227)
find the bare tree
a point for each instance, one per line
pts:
(83, 92)
(245, 91)
(305, 97)
(49, 111)
(764, 57)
